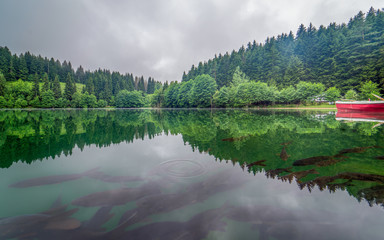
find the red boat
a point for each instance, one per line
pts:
(365, 106)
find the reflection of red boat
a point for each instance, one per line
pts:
(360, 116)
(370, 106)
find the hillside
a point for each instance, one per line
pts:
(339, 55)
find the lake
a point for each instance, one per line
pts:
(189, 174)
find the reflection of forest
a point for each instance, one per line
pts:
(270, 142)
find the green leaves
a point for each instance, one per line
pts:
(367, 88)
(204, 87)
(193, 93)
(351, 95)
(2, 84)
(126, 99)
(70, 87)
(307, 90)
(332, 94)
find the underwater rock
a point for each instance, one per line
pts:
(116, 197)
(51, 179)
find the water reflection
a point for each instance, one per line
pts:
(267, 221)
(137, 191)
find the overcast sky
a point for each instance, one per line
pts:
(157, 38)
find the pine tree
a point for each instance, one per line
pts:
(184, 78)
(69, 89)
(36, 86)
(56, 88)
(141, 85)
(22, 72)
(11, 71)
(2, 84)
(80, 75)
(151, 86)
(89, 87)
(46, 85)
(131, 83)
(239, 77)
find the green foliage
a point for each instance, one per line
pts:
(20, 88)
(20, 103)
(351, 95)
(126, 99)
(204, 87)
(366, 90)
(22, 70)
(171, 95)
(288, 95)
(89, 87)
(46, 85)
(35, 102)
(151, 87)
(56, 88)
(294, 72)
(76, 100)
(102, 84)
(332, 94)
(85, 100)
(89, 100)
(2, 84)
(36, 86)
(184, 94)
(47, 99)
(3, 102)
(148, 100)
(306, 90)
(221, 98)
(101, 103)
(239, 77)
(62, 103)
(337, 55)
(10, 102)
(69, 89)
(157, 98)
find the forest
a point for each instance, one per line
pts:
(339, 56)
(27, 80)
(315, 64)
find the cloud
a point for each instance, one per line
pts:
(158, 38)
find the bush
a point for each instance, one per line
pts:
(3, 102)
(101, 103)
(126, 99)
(351, 94)
(332, 94)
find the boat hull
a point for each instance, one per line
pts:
(367, 106)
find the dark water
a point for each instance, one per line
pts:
(189, 174)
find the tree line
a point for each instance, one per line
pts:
(243, 92)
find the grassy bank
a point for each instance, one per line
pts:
(301, 106)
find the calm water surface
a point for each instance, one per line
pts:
(189, 174)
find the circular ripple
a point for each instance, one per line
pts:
(182, 168)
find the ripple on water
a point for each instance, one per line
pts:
(181, 168)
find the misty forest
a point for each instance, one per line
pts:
(328, 63)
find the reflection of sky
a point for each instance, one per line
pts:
(141, 157)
